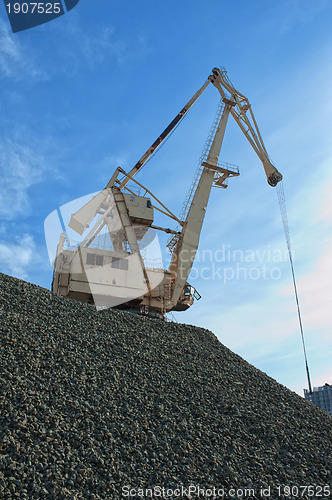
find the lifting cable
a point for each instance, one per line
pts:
(283, 211)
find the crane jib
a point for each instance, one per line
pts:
(160, 139)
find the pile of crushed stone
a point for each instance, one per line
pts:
(98, 405)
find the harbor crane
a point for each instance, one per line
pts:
(119, 275)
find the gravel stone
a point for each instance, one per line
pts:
(92, 401)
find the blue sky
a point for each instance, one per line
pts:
(92, 90)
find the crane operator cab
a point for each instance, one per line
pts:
(187, 297)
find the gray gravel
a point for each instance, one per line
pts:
(91, 402)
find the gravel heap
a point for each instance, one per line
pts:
(93, 402)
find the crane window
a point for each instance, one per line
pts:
(99, 260)
(94, 260)
(119, 263)
(90, 259)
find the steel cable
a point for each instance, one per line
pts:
(283, 211)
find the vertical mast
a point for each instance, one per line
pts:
(186, 248)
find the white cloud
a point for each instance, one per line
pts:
(101, 43)
(316, 294)
(16, 60)
(10, 51)
(22, 165)
(300, 13)
(323, 378)
(96, 47)
(324, 202)
(17, 257)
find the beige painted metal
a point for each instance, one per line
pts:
(162, 290)
(185, 251)
(248, 125)
(85, 215)
(130, 232)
